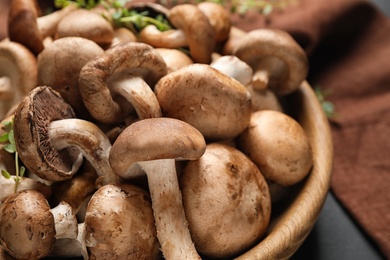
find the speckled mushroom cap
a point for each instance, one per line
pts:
(214, 103)
(278, 145)
(272, 43)
(132, 59)
(31, 123)
(119, 224)
(226, 201)
(27, 225)
(200, 34)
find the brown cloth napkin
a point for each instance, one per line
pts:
(348, 43)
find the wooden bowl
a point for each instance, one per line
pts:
(292, 223)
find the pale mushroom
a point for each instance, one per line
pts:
(235, 34)
(278, 145)
(264, 99)
(59, 67)
(192, 29)
(86, 24)
(18, 74)
(129, 71)
(214, 103)
(234, 67)
(123, 35)
(119, 224)
(52, 143)
(226, 201)
(29, 227)
(276, 58)
(28, 28)
(153, 145)
(174, 58)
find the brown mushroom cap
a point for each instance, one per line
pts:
(278, 145)
(31, 122)
(59, 67)
(27, 225)
(86, 24)
(260, 44)
(126, 230)
(226, 201)
(219, 19)
(217, 105)
(108, 76)
(174, 58)
(197, 28)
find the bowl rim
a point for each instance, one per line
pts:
(300, 216)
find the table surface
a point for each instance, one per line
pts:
(336, 236)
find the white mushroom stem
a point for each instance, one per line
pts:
(89, 139)
(171, 224)
(234, 67)
(47, 25)
(167, 39)
(65, 221)
(140, 95)
(67, 247)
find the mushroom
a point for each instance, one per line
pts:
(226, 201)
(278, 145)
(276, 58)
(264, 99)
(193, 29)
(86, 24)
(234, 67)
(26, 12)
(153, 145)
(123, 35)
(119, 224)
(235, 35)
(51, 142)
(59, 67)
(18, 74)
(29, 227)
(127, 70)
(217, 105)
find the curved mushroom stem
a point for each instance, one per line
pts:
(65, 221)
(167, 39)
(140, 95)
(90, 140)
(172, 227)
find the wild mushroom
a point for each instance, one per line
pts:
(226, 201)
(217, 105)
(278, 145)
(193, 30)
(59, 67)
(153, 145)
(18, 74)
(51, 142)
(234, 67)
(276, 58)
(86, 24)
(29, 227)
(127, 70)
(23, 12)
(119, 224)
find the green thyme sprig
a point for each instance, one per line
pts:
(9, 145)
(327, 106)
(87, 4)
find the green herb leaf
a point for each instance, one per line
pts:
(5, 174)
(10, 148)
(4, 137)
